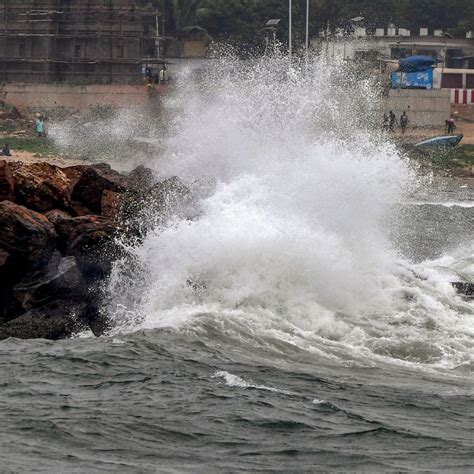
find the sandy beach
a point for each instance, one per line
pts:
(28, 157)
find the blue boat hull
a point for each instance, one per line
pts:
(446, 141)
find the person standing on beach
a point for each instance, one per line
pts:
(40, 126)
(450, 125)
(391, 120)
(5, 151)
(163, 76)
(404, 121)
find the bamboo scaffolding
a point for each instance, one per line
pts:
(108, 33)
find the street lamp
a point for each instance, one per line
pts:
(272, 25)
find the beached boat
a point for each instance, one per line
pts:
(441, 141)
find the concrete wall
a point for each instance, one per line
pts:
(425, 108)
(47, 97)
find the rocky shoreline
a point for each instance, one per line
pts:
(61, 229)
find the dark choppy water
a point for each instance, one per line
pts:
(165, 401)
(220, 395)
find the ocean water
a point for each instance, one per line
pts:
(297, 317)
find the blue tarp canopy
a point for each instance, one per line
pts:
(417, 63)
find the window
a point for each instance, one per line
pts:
(120, 51)
(21, 48)
(77, 50)
(470, 81)
(451, 81)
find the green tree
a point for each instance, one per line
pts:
(242, 20)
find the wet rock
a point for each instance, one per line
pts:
(111, 205)
(464, 288)
(141, 179)
(9, 306)
(56, 320)
(97, 322)
(6, 182)
(26, 234)
(91, 239)
(106, 171)
(56, 215)
(41, 186)
(165, 200)
(3, 258)
(77, 209)
(11, 268)
(74, 173)
(61, 279)
(91, 185)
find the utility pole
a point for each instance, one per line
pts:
(289, 29)
(157, 39)
(307, 27)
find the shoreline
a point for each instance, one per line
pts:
(459, 165)
(61, 230)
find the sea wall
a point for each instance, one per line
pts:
(73, 98)
(425, 108)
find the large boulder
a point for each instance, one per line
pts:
(92, 183)
(58, 319)
(56, 215)
(6, 182)
(111, 205)
(75, 172)
(170, 196)
(3, 258)
(9, 306)
(77, 209)
(25, 234)
(464, 288)
(162, 202)
(61, 279)
(141, 179)
(41, 186)
(91, 239)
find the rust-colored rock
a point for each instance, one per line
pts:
(77, 209)
(6, 182)
(110, 205)
(74, 173)
(26, 234)
(56, 215)
(41, 186)
(91, 185)
(106, 171)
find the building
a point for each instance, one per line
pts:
(77, 41)
(394, 43)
